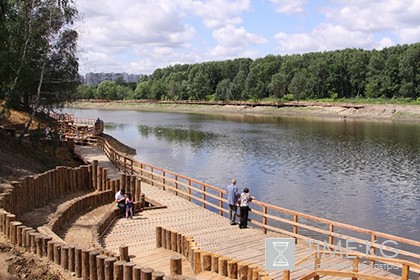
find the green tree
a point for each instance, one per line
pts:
(223, 90)
(40, 45)
(278, 85)
(298, 84)
(410, 72)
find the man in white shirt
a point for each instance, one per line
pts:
(120, 200)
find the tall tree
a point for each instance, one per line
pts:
(41, 47)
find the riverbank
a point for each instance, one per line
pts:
(339, 111)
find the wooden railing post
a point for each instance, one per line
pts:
(295, 227)
(203, 196)
(163, 180)
(331, 237)
(405, 272)
(221, 203)
(264, 220)
(153, 177)
(373, 240)
(355, 266)
(189, 190)
(176, 184)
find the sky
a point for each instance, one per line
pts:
(140, 36)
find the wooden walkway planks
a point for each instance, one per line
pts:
(211, 231)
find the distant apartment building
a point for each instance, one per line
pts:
(96, 78)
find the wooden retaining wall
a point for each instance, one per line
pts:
(38, 190)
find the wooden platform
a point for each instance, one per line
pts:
(211, 231)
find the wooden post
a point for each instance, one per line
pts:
(189, 190)
(223, 266)
(164, 238)
(138, 190)
(124, 253)
(100, 266)
(65, 257)
(179, 244)
(50, 250)
(168, 240)
(93, 275)
(19, 231)
(286, 275)
(119, 270)
(13, 231)
(355, 266)
(71, 259)
(176, 185)
(95, 174)
(109, 268)
(206, 261)
(215, 263)
(38, 241)
(137, 272)
(45, 240)
(331, 237)
(233, 269)
(405, 272)
(85, 264)
(242, 270)
(295, 227)
(251, 269)
(203, 196)
(157, 275)
(221, 204)
(373, 240)
(158, 237)
(176, 265)
(78, 262)
(9, 219)
(264, 219)
(174, 240)
(57, 253)
(100, 178)
(25, 241)
(146, 273)
(128, 271)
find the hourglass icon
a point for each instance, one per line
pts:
(280, 248)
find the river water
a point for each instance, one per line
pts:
(362, 173)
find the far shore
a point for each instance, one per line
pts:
(331, 111)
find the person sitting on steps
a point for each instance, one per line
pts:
(120, 200)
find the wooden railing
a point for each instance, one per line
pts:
(274, 218)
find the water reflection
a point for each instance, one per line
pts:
(361, 173)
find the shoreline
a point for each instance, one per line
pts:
(326, 111)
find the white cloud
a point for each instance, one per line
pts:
(323, 37)
(289, 7)
(231, 36)
(232, 42)
(218, 13)
(409, 35)
(374, 15)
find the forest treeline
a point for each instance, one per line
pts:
(350, 73)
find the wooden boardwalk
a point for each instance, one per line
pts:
(211, 231)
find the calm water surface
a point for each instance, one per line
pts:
(362, 173)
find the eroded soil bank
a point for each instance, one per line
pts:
(392, 112)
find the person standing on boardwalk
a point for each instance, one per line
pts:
(232, 195)
(244, 201)
(120, 200)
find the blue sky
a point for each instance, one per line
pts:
(139, 36)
